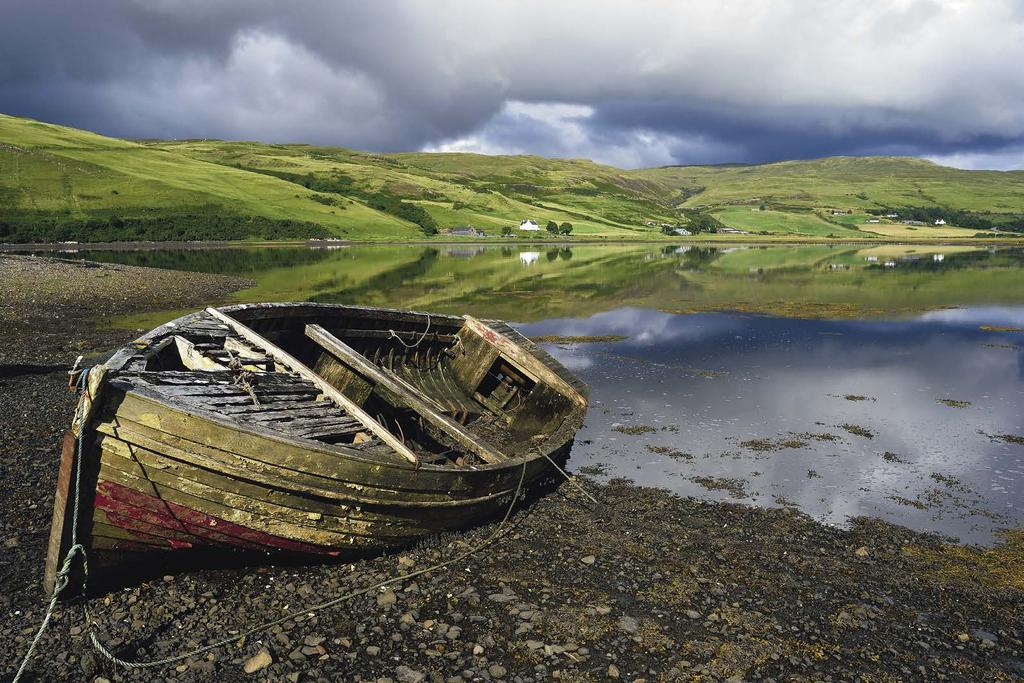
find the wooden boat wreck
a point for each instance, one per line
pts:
(308, 429)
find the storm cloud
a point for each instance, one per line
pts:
(631, 83)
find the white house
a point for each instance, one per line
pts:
(873, 220)
(939, 221)
(529, 225)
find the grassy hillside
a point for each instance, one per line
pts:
(810, 191)
(59, 183)
(463, 189)
(62, 183)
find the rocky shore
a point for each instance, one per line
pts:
(644, 586)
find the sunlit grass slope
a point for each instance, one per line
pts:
(62, 183)
(466, 189)
(847, 183)
(84, 181)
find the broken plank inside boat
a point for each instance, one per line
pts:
(308, 429)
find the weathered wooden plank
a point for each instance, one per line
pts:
(474, 358)
(313, 526)
(298, 413)
(194, 359)
(237, 528)
(131, 460)
(524, 361)
(292, 363)
(315, 474)
(228, 389)
(262, 518)
(237, 406)
(404, 394)
(60, 526)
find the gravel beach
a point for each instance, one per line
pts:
(643, 586)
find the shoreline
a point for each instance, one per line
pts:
(734, 240)
(647, 584)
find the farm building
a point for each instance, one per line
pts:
(467, 232)
(529, 225)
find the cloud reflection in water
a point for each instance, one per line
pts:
(709, 382)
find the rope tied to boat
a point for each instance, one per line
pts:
(244, 378)
(289, 616)
(63, 577)
(426, 330)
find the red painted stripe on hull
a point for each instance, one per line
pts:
(126, 506)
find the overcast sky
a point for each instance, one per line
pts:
(631, 83)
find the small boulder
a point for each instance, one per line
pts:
(259, 661)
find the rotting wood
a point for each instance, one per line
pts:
(144, 464)
(523, 361)
(404, 394)
(194, 359)
(60, 527)
(299, 368)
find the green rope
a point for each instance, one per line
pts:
(62, 579)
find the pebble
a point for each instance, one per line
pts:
(387, 598)
(406, 674)
(628, 624)
(588, 559)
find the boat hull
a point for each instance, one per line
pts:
(160, 480)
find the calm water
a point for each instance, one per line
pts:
(821, 389)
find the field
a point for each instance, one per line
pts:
(754, 220)
(917, 231)
(59, 184)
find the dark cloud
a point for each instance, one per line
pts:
(631, 83)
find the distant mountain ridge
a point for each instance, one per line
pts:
(61, 183)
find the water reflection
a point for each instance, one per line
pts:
(533, 282)
(839, 418)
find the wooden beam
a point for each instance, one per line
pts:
(523, 360)
(404, 393)
(299, 368)
(193, 359)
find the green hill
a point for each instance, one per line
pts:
(59, 183)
